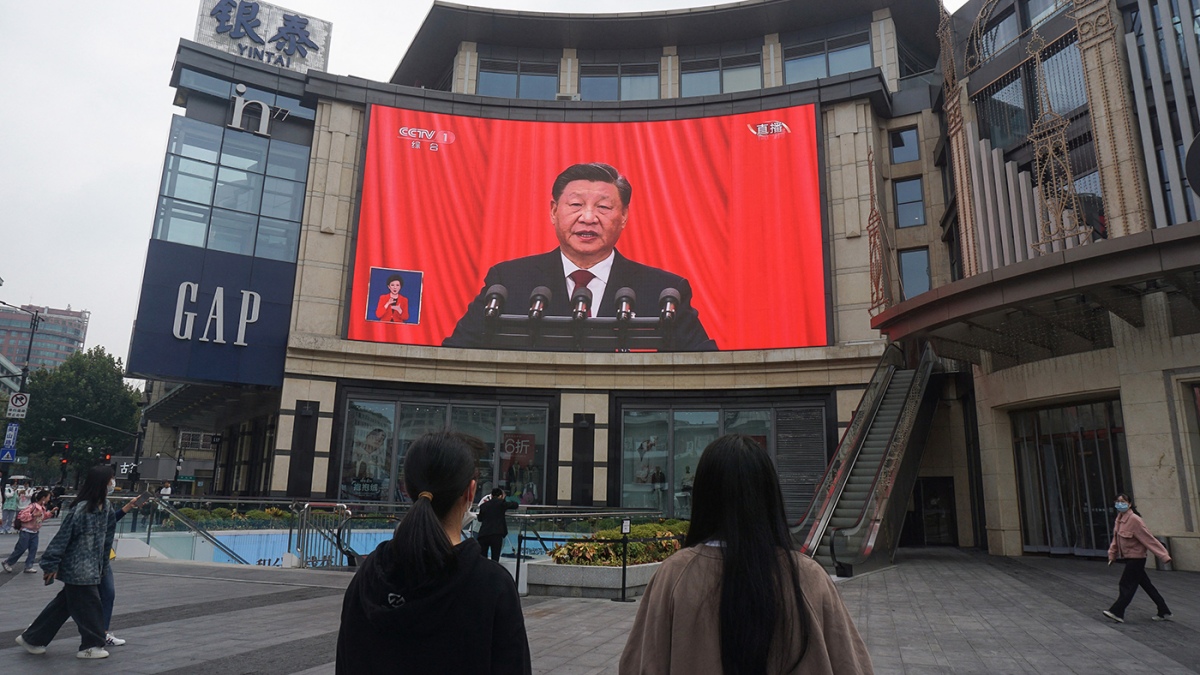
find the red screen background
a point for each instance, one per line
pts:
(736, 213)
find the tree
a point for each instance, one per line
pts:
(90, 385)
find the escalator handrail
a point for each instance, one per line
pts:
(197, 529)
(838, 471)
(881, 490)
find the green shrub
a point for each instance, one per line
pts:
(607, 553)
(257, 514)
(222, 513)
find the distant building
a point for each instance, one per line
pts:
(10, 377)
(60, 334)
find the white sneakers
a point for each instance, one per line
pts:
(89, 653)
(32, 649)
(93, 653)
(7, 567)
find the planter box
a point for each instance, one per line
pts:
(545, 577)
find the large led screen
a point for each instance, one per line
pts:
(725, 210)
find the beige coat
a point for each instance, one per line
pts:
(677, 630)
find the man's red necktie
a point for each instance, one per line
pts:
(582, 278)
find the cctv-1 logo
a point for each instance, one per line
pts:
(431, 135)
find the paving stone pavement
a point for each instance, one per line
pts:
(936, 611)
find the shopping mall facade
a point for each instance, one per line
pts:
(829, 180)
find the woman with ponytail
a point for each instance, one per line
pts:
(426, 601)
(738, 600)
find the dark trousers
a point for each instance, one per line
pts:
(108, 595)
(27, 541)
(81, 603)
(493, 543)
(1134, 576)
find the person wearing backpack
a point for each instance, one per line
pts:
(28, 523)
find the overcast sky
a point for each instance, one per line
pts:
(84, 125)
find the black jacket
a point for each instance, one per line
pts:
(470, 621)
(491, 517)
(522, 275)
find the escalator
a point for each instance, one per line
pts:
(854, 521)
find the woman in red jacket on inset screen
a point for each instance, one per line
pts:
(392, 306)
(1131, 539)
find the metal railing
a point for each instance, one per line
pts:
(320, 531)
(172, 512)
(882, 517)
(812, 526)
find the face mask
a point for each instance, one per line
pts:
(1121, 506)
(111, 488)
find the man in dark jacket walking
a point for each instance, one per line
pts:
(492, 526)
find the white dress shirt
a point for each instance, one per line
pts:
(601, 269)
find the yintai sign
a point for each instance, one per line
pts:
(265, 33)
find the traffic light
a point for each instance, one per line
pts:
(108, 457)
(63, 461)
(66, 447)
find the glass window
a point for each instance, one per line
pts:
(1000, 35)
(232, 232)
(244, 151)
(701, 83)
(282, 199)
(914, 272)
(1064, 75)
(910, 203)
(188, 179)
(194, 139)
(694, 430)
(744, 78)
(295, 108)
(639, 87)
(181, 222)
(645, 436)
(598, 88)
(479, 421)
(288, 160)
(238, 190)
(190, 79)
(496, 84)
(367, 468)
(521, 471)
(904, 146)
(277, 240)
(850, 59)
(1039, 10)
(538, 86)
(415, 419)
(804, 68)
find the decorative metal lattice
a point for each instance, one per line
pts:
(881, 296)
(1060, 211)
(982, 43)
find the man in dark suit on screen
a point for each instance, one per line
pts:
(589, 207)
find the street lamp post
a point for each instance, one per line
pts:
(34, 322)
(135, 474)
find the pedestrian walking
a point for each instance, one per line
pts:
(426, 601)
(493, 527)
(737, 598)
(108, 586)
(28, 523)
(77, 557)
(9, 507)
(1131, 540)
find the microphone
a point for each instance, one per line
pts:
(538, 299)
(625, 301)
(581, 302)
(496, 295)
(668, 303)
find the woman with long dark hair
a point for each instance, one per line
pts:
(78, 556)
(738, 595)
(426, 601)
(1131, 539)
